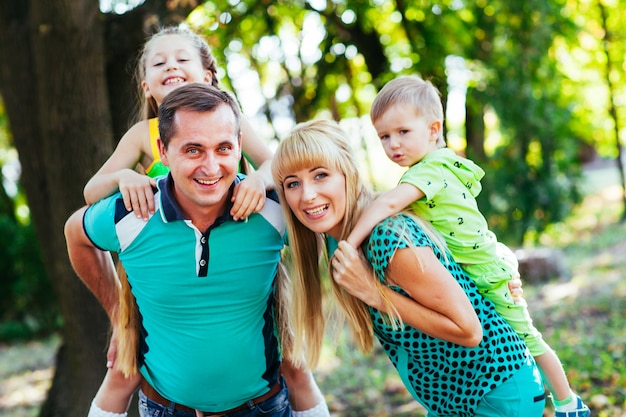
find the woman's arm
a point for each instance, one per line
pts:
(438, 306)
(118, 173)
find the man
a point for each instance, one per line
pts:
(203, 283)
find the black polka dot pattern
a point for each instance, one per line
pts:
(446, 378)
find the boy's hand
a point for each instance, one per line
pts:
(137, 192)
(517, 292)
(248, 196)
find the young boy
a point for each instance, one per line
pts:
(441, 187)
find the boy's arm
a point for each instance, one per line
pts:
(387, 204)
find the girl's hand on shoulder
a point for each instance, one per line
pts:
(248, 196)
(137, 192)
(351, 271)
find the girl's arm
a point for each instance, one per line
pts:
(438, 306)
(249, 195)
(118, 173)
(387, 204)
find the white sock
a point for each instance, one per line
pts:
(95, 411)
(568, 404)
(320, 410)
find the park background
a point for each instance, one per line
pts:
(534, 92)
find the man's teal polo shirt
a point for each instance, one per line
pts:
(205, 298)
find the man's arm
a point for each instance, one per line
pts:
(94, 267)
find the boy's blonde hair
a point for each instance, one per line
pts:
(148, 109)
(410, 90)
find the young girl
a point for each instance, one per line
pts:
(171, 58)
(454, 353)
(441, 187)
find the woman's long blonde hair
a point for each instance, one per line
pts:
(315, 143)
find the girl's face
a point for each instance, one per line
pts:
(172, 61)
(317, 197)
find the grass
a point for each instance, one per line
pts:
(583, 319)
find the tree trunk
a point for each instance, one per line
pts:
(474, 127)
(609, 69)
(52, 83)
(55, 57)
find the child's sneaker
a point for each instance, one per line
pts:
(581, 410)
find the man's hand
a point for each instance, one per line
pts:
(112, 351)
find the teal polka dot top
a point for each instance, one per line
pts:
(447, 379)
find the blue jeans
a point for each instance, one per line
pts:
(276, 406)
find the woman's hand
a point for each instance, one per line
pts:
(137, 192)
(248, 196)
(353, 273)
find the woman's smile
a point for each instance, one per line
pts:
(317, 211)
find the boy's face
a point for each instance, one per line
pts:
(406, 136)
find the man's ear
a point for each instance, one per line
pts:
(162, 152)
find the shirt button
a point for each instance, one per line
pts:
(203, 240)
(202, 262)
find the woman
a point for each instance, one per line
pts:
(455, 355)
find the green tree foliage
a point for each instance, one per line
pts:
(27, 301)
(316, 58)
(531, 175)
(541, 74)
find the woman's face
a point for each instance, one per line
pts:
(317, 197)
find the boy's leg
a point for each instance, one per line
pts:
(550, 366)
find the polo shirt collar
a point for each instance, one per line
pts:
(170, 210)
